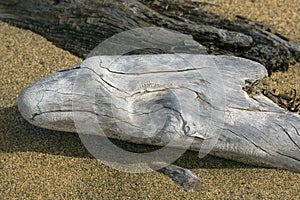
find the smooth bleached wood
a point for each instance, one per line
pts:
(156, 99)
(183, 177)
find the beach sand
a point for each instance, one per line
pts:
(41, 164)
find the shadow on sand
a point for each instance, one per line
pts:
(17, 135)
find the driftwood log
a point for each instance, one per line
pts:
(170, 100)
(164, 99)
(79, 25)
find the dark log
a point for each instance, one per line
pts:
(79, 25)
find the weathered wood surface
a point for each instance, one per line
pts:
(79, 25)
(155, 99)
(184, 177)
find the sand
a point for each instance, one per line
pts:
(40, 164)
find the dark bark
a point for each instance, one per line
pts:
(79, 25)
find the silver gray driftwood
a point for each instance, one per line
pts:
(155, 99)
